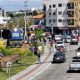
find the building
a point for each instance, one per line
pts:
(36, 20)
(62, 15)
(3, 18)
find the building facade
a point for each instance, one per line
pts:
(62, 14)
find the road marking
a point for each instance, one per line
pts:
(40, 72)
(21, 77)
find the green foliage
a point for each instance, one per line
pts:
(12, 23)
(15, 51)
(21, 21)
(6, 51)
(29, 23)
(38, 33)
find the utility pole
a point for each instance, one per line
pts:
(25, 17)
(52, 30)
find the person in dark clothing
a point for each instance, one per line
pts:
(35, 50)
(44, 40)
(39, 58)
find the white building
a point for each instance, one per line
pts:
(56, 13)
(3, 18)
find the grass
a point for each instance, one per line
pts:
(18, 67)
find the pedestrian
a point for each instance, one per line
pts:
(35, 50)
(44, 40)
(39, 58)
(51, 44)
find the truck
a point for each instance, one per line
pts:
(16, 37)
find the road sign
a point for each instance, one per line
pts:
(9, 64)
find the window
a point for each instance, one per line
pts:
(60, 5)
(54, 20)
(60, 20)
(70, 13)
(49, 21)
(54, 5)
(50, 13)
(64, 20)
(64, 4)
(49, 6)
(44, 7)
(60, 13)
(70, 5)
(54, 13)
(70, 21)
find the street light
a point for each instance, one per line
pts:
(25, 17)
(1, 33)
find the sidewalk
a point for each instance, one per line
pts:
(34, 70)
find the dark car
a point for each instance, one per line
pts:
(59, 57)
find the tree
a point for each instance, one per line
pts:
(29, 23)
(34, 13)
(12, 23)
(38, 33)
(21, 21)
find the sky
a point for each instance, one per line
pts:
(13, 5)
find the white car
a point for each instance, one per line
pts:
(78, 52)
(68, 39)
(74, 66)
(59, 43)
(58, 37)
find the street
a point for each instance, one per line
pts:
(58, 71)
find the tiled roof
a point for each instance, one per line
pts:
(37, 16)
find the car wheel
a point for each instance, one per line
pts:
(52, 62)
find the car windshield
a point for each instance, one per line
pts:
(58, 54)
(76, 60)
(68, 37)
(59, 42)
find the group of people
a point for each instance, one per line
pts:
(36, 51)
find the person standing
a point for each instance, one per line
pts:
(44, 40)
(39, 58)
(35, 50)
(39, 53)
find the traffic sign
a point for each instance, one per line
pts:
(9, 64)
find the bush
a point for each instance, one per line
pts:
(6, 51)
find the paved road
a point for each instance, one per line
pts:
(58, 71)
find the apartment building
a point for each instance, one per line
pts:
(62, 14)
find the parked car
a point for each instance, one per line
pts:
(74, 40)
(59, 43)
(59, 57)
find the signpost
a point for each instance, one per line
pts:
(9, 65)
